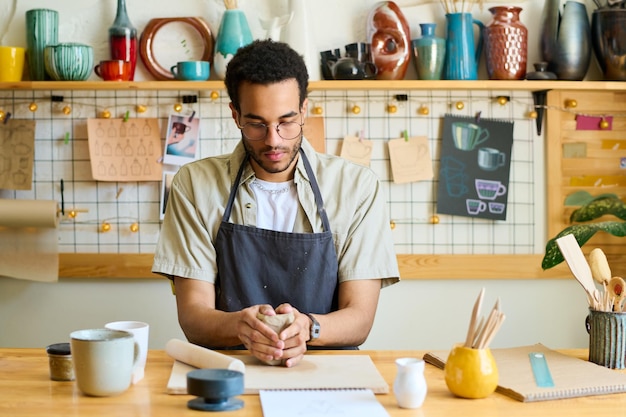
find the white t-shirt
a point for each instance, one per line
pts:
(277, 205)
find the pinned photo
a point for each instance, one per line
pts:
(181, 143)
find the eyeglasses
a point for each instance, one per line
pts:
(259, 131)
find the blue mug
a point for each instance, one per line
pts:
(191, 70)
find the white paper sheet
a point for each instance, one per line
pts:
(321, 403)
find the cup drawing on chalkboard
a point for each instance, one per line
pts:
(496, 208)
(475, 206)
(467, 136)
(490, 159)
(488, 189)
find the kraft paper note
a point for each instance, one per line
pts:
(29, 239)
(125, 150)
(17, 154)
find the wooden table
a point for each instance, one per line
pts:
(26, 390)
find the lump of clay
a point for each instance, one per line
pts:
(278, 323)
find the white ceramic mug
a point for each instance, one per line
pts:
(103, 360)
(140, 332)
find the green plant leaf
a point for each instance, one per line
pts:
(582, 233)
(598, 207)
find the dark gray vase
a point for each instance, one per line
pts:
(566, 39)
(608, 37)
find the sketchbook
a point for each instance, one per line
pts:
(327, 403)
(572, 377)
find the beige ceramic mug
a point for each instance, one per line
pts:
(103, 360)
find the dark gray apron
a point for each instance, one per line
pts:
(260, 266)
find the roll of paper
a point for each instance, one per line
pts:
(200, 357)
(29, 239)
(29, 213)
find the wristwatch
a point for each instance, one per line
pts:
(315, 327)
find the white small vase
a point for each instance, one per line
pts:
(296, 34)
(410, 387)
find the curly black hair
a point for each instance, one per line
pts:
(265, 62)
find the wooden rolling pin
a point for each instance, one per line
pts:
(200, 357)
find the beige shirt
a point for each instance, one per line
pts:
(353, 199)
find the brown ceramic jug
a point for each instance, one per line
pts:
(506, 44)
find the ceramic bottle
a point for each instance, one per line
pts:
(409, 386)
(42, 29)
(506, 44)
(123, 38)
(565, 39)
(233, 33)
(429, 53)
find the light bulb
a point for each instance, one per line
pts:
(105, 227)
(178, 107)
(459, 105)
(214, 95)
(356, 109)
(134, 227)
(32, 107)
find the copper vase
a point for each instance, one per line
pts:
(506, 44)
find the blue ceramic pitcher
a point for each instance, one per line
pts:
(462, 53)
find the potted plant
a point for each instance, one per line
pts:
(583, 229)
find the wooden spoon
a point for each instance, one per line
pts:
(616, 288)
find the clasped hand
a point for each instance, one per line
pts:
(289, 346)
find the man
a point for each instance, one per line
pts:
(275, 227)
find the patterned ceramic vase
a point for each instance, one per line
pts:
(69, 61)
(506, 44)
(429, 53)
(233, 33)
(123, 38)
(42, 26)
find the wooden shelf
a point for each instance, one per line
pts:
(412, 267)
(522, 85)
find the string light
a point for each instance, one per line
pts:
(502, 100)
(178, 107)
(105, 227)
(134, 227)
(434, 219)
(317, 110)
(2, 115)
(32, 107)
(459, 105)
(356, 109)
(140, 108)
(215, 95)
(423, 110)
(571, 104)
(392, 108)
(604, 124)
(533, 114)
(106, 114)
(67, 110)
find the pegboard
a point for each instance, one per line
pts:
(61, 153)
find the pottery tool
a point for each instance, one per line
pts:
(600, 270)
(580, 268)
(616, 288)
(480, 333)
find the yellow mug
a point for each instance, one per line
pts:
(11, 63)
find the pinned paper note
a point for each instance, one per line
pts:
(125, 150)
(357, 150)
(17, 150)
(410, 159)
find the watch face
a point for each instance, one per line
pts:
(315, 327)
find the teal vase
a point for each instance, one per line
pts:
(233, 33)
(42, 26)
(429, 53)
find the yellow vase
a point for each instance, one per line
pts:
(471, 373)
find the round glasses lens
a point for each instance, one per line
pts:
(289, 130)
(254, 131)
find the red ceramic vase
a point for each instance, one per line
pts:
(506, 44)
(389, 34)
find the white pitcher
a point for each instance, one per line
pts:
(410, 387)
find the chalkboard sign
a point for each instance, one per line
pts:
(475, 166)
